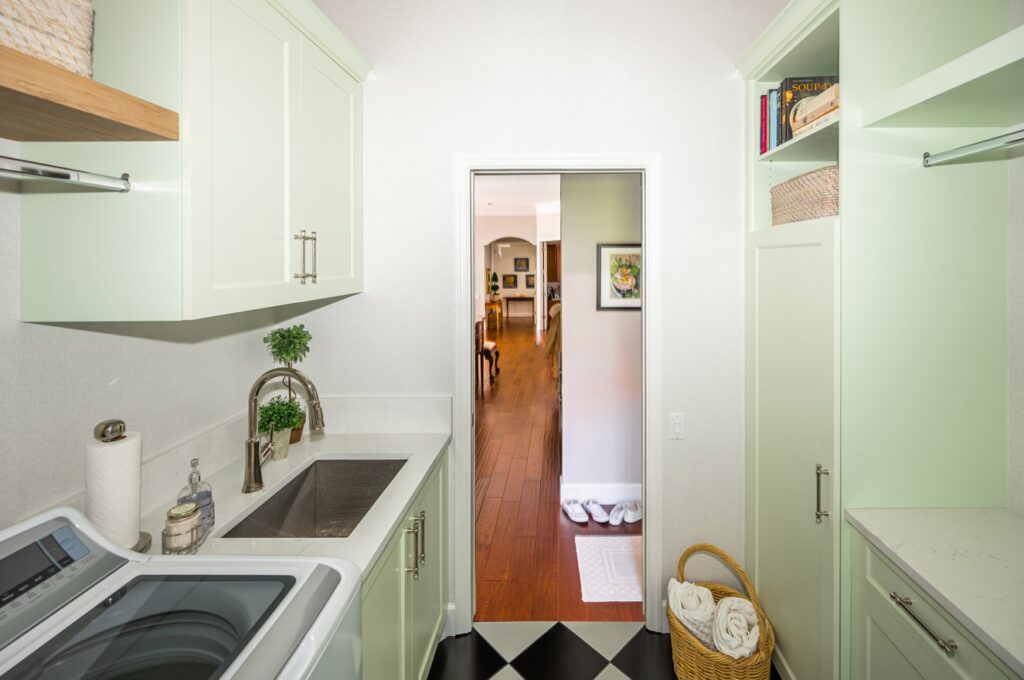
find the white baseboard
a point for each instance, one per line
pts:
(606, 494)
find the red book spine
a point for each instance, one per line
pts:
(764, 123)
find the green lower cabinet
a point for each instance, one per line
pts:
(887, 642)
(405, 597)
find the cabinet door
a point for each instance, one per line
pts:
(792, 425)
(428, 596)
(883, 648)
(242, 80)
(329, 193)
(385, 605)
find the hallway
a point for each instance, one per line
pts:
(526, 568)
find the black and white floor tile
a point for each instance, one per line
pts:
(546, 650)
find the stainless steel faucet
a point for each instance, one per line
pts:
(255, 455)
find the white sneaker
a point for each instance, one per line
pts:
(574, 511)
(596, 511)
(616, 515)
(632, 513)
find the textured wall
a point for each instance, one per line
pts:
(533, 77)
(167, 380)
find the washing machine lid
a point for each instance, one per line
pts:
(135, 620)
(183, 627)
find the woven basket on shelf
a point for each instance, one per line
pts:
(806, 197)
(694, 661)
(57, 31)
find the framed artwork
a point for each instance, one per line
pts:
(510, 280)
(522, 264)
(619, 276)
(531, 280)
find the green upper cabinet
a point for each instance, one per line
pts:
(270, 97)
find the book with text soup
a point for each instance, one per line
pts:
(791, 91)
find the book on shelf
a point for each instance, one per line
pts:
(812, 108)
(817, 124)
(773, 118)
(764, 123)
(794, 90)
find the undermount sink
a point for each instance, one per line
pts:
(327, 500)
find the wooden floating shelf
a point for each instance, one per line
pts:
(818, 145)
(40, 102)
(983, 88)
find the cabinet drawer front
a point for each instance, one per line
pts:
(883, 582)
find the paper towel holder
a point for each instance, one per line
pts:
(111, 431)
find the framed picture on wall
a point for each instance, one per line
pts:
(510, 280)
(531, 280)
(619, 276)
(522, 264)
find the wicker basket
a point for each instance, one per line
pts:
(806, 197)
(57, 31)
(694, 661)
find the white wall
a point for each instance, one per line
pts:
(534, 77)
(487, 230)
(602, 360)
(1015, 320)
(166, 380)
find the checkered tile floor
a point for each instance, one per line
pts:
(542, 650)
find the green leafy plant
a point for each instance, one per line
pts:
(288, 345)
(494, 283)
(284, 413)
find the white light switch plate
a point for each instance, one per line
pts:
(675, 426)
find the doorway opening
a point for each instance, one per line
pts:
(559, 395)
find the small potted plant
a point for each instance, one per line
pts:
(289, 346)
(494, 285)
(285, 414)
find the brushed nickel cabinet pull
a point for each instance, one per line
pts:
(415, 531)
(423, 536)
(905, 603)
(302, 237)
(819, 472)
(313, 276)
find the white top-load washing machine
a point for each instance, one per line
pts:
(74, 606)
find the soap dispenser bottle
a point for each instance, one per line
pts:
(199, 492)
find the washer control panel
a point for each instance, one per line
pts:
(44, 568)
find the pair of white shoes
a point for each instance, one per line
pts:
(628, 511)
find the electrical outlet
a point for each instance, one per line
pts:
(675, 426)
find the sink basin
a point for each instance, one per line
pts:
(327, 500)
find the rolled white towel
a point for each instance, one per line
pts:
(736, 631)
(694, 606)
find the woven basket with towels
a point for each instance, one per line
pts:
(692, 658)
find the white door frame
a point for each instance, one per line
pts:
(462, 492)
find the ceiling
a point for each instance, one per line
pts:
(508, 195)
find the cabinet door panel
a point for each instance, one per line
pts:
(428, 597)
(792, 419)
(245, 83)
(384, 614)
(329, 197)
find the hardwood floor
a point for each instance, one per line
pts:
(526, 566)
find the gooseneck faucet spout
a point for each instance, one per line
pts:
(256, 456)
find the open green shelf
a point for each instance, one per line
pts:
(820, 145)
(982, 88)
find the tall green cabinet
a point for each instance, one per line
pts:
(258, 205)
(876, 340)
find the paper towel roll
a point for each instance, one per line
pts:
(113, 472)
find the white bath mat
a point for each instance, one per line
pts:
(610, 568)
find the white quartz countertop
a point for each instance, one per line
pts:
(970, 560)
(366, 541)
